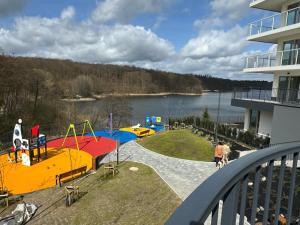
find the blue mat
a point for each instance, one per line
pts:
(121, 136)
(156, 128)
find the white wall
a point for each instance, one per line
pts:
(286, 124)
(247, 119)
(265, 123)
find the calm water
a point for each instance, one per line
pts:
(176, 106)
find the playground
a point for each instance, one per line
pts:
(36, 163)
(20, 179)
(128, 198)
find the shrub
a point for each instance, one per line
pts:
(234, 133)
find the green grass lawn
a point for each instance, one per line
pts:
(180, 144)
(129, 198)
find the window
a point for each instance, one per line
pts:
(254, 120)
(290, 52)
(288, 89)
(293, 14)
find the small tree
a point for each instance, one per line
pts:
(234, 133)
(228, 132)
(205, 115)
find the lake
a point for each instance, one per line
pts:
(177, 106)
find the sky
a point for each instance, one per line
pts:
(183, 36)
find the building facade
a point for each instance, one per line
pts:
(276, 112)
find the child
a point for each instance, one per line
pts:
(218, 153)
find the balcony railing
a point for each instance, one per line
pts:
(272, 59)
(275, 21)
(260, 187)
(276, 95)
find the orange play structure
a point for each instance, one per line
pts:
(25, 173)
(20, 179)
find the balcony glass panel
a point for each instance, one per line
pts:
(280, 58)
(286, 18)
(276, 95)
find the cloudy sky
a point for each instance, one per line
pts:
(184, 36)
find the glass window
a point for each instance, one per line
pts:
(282, 88)
(293, 92)
(293, 14)
(254, 120)
(290, 53)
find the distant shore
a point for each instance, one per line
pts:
(97, 97)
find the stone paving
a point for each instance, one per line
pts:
(183, 176)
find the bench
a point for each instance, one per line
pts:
(78, 171)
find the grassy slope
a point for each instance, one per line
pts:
(139, 197)
(180, 144)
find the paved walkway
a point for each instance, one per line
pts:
(183, 176)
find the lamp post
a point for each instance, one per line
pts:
(218, 115)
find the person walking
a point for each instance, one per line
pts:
(218, 153)
(226, 152)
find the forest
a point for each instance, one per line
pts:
(32, 88)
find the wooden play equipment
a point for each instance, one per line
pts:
(110, 169)
(72, 194)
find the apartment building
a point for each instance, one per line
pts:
(274, 113)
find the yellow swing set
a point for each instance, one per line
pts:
(86, 124)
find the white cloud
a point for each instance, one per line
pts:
(68, 13)
(11, 6)
(124, 10)
(233, 9)
(216, 43)
(209, 23)
(217, 52)
(223, 13)
(158, 22)
(61, 37)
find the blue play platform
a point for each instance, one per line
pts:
(121, 136)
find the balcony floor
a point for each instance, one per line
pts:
(271, 5)
(273, 69)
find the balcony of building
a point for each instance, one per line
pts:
(271, 5)
(259, 188)
(284, 61)
(265, 99)
(271, 29)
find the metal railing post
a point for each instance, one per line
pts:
(273, 22)
(261, 24)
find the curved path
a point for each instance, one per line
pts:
(183, 176)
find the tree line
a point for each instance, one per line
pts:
(31, 88)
